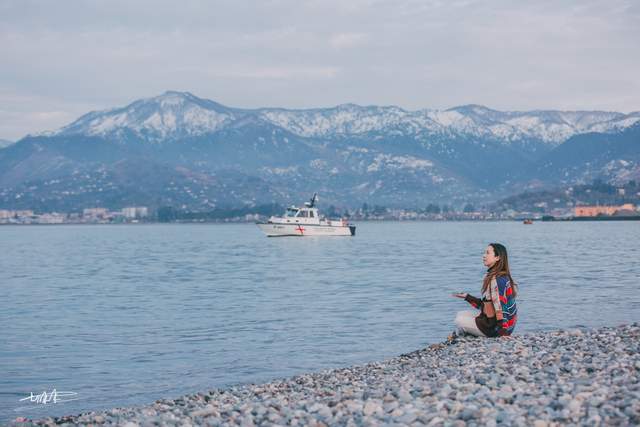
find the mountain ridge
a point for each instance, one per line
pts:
(199, 154)
(176, 114)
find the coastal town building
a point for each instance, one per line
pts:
(52, 218)
(95, 213)
(588, 211)
(135, 212)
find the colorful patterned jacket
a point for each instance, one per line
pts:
(501, 294)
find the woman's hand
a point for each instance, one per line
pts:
(462, 295)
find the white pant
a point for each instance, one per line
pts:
(466, 321)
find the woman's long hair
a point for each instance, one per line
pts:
(500, 268)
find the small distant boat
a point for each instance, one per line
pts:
(527, 221)
(306, 221)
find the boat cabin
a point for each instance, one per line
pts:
(304, 215)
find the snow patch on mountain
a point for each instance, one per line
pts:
(444, 118)
(342, 120)
(318, 164)
(583, 120)
(386, 161)
(617, 124)
(281, 171)
(535, 126)
(620, 171)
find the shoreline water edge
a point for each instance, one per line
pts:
(576, 376)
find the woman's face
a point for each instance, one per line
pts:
(489, 258)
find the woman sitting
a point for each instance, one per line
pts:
(498, 311)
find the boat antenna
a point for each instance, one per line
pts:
(313, 200)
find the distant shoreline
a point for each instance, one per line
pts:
(543, 219)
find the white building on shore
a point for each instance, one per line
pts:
(135, 212)
(51, 218)
(95, 213)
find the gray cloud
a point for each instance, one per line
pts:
(61, 59)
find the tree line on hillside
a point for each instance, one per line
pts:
(171, 214)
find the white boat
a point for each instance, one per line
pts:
(306, 221)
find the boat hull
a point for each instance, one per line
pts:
(280, 230)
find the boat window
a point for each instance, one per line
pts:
(310, 214)
(292, 212)
(303, 214)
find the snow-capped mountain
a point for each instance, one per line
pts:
(551, 127)
(175, 115)
(180, 150)
(172, 115)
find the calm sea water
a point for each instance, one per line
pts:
(125, 315)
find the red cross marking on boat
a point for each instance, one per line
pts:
(300, 229)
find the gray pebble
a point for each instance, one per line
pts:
(580, 376)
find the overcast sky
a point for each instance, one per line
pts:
(60, 59)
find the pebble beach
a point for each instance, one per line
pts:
(567, 377)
